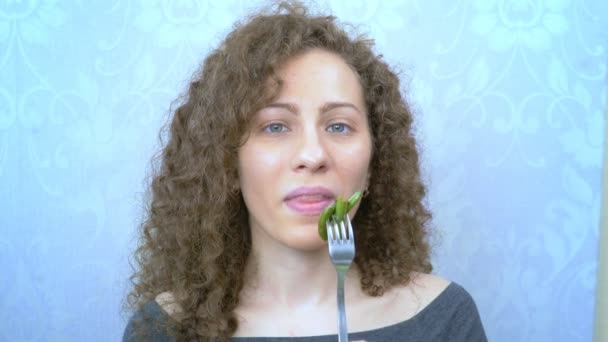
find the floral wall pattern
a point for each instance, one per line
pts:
(509, 97)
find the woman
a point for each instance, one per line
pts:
(286, 115)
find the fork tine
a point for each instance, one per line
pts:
(351, 235)
(343, 236)
(330, 230)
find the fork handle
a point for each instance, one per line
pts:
(342, 330)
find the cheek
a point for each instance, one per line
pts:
(354, 161)
(257, 166)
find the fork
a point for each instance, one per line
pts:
(341, 241)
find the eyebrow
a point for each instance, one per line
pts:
(325, 108)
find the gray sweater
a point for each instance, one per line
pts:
(452, 316)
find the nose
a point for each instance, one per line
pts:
(311, 154)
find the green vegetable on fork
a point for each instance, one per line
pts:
(337, 211)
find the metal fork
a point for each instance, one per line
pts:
(341, 241)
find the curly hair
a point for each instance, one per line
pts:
(195, 240)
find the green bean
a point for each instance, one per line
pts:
(341, 205)
(352, 201)
(337, 211)
(325, 215)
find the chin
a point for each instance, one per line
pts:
(308, 243)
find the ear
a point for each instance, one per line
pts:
(235, 186)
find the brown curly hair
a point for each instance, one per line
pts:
(195, 240)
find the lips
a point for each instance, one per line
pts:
(309, 201)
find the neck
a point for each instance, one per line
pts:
(278, 275)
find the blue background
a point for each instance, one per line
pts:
(509, 99)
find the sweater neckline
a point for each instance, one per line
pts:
(437, 302)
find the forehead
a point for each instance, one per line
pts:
(320, 75)
(317, 62)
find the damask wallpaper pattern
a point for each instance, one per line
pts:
(509, 99)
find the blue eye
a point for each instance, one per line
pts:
(275, 128)
(338, 128)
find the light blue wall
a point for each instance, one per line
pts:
(509, 97)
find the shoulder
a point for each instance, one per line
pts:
(427, 287)
(149, 324)
(428, 308)
(430, 288)
(436, 292)
(411, 299)
(452, 314)
(401, 303)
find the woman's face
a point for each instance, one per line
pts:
(310, 145)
